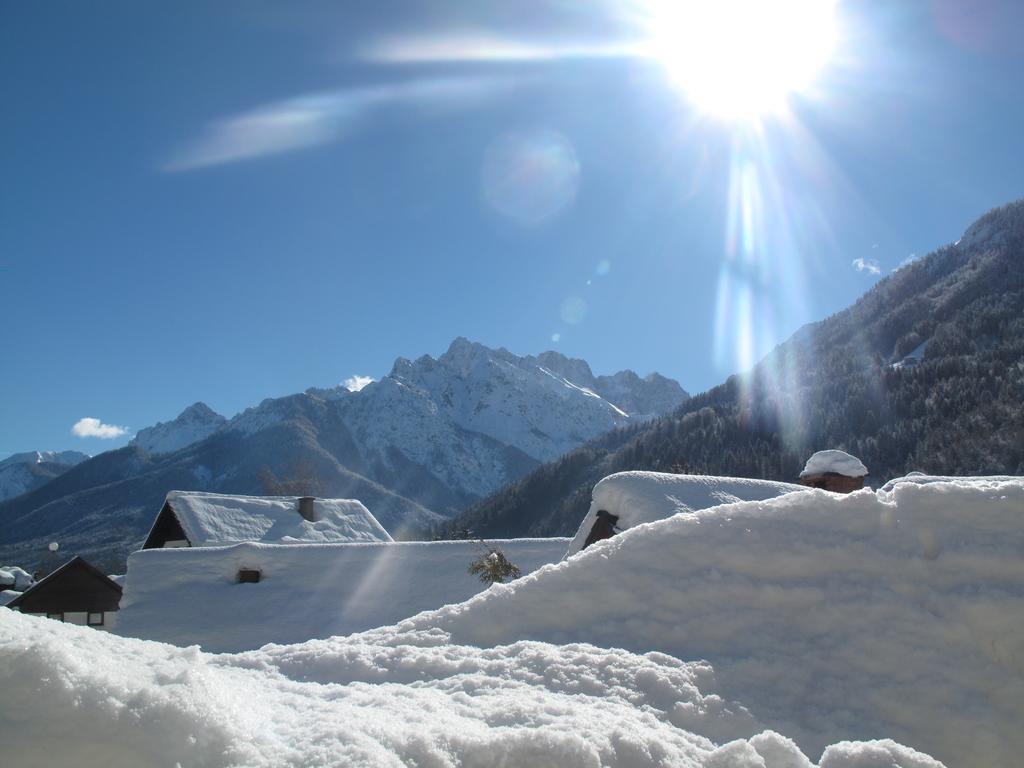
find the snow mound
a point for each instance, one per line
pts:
(16, 578)
(834, 460)
(209, 519)
(891, 615)
(74, 696)
(645, 497)
(191, 596)
(991, 482)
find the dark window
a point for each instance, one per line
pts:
(95, 619)
(57, 616)
(248, 575)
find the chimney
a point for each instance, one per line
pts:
(306, 508)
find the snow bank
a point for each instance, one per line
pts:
(16, 578)
(834, 460)
(209, 519)
(898, 614)
(6, 595)
(73, 696)
(644, 497)
(191, 596)
(983, 481)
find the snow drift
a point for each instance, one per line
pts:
(898, 614)
(73, 696)
(872, 616)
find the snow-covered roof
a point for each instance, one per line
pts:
(190, 596)
(834, 460)
(644, 497)
(211, 519)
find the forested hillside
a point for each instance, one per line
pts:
(925, 372)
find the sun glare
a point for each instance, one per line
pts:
(742, 59)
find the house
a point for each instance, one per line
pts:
(834, 470)
(242, 596)
(233, 572)
(76, 592)
(200, 519)
(627, 499)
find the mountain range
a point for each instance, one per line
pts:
(924, 372)
(23, 472)
(417, 446)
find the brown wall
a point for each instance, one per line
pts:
(833, 481)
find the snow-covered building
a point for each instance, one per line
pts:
(628, 499)
(295, 592)
(835, 471)
(235, 572)
(200, 519)
(77, 593)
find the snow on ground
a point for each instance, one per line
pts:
(644, 497)
(74, 696)
(827, 618)
(209, 519)
(898, 614)
(190, 596)
(886, 491)
(834, 460)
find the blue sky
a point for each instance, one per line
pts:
(237, 200)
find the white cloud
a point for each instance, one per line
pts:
(356, 383)
(866, 265)
(321, 118)
(90, 427)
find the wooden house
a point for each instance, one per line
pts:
(77, 593)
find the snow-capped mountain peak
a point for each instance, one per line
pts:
(22, 472)
(195, 423)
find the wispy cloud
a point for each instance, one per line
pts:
(474, 46)
(90, 427)
(356, 383)
(867, 265)
(321, 118)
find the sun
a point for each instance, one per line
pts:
(742, 59)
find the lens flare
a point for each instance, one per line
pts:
(574, 310)
(530, 178)
(739, 59)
